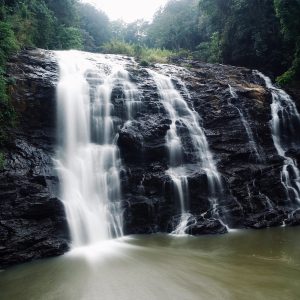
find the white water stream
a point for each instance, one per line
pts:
(87, 159)
(252, 143)
(284, 125)
(181, 115)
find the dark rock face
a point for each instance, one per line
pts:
(199, 225)
(252, 196)
(32, 218)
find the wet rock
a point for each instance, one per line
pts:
(144, 139)
(197, 225)
(141, 214)
(32, 220)
(252, 189)
(32, 230)
(33, 223)
(206, 226)
(293, 218)
(266, 219)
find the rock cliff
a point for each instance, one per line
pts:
(32, 218)
(235, 111)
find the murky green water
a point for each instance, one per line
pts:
(241, 265)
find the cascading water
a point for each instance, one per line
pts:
(285, 126)
(180, 113)
(88, 160)
(252, 143)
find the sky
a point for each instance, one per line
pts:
(128, 10)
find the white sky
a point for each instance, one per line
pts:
(128, 10)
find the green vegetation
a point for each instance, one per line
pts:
(48, 24)
(2, 160)
(95, 27)
(209, 51)
(262, 34)
(155, 55)
(250, 33)
(288, 12)
(118, 47)
(176, 26)
(144, 54)
(7, 47)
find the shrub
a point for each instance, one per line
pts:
(70, 38)
(7, 113)
(144, 63)
(118, 47)
(144, 54)
(293, 74)
(209, 51)
(286, 77)
(8, 43)
(155, 55)
(2, 160)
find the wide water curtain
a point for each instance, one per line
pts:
(88, 158)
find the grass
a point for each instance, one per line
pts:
(143, 54)
(286, 78)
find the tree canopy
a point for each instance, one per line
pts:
(261, 34)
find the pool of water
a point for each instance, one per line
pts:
(241, 265)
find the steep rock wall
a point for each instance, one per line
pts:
(32, 218)
(33, 223)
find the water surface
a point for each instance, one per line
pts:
(241, 265)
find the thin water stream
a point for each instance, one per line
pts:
(243, 265)
(182, 115)
(252, 143)
(285, 125)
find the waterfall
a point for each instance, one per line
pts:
(180, 114)
(87, 159)
(252, 143)
(285, 125)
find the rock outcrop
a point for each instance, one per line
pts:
(253, 195)
(32, 218)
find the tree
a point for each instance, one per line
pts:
(288, 13)
(65, 11)
(175, 26)
(70, 38)
(8, 42)
(249, 32)
(96, 24)
(44, 23)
